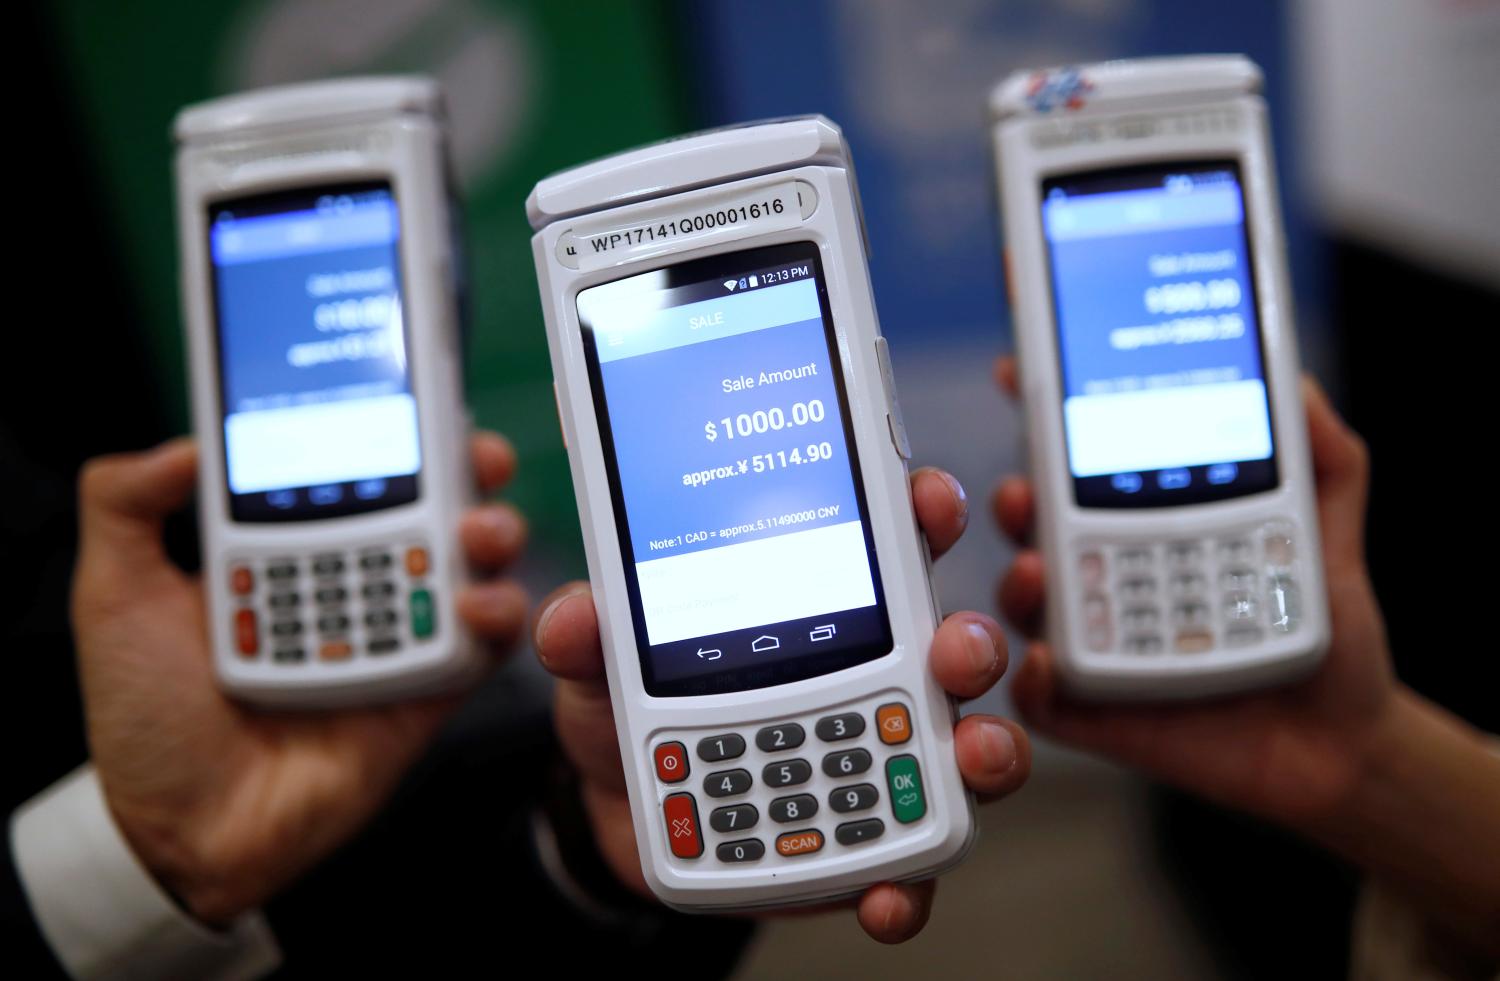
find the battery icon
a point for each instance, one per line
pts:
(754, 282)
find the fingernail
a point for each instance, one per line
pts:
(580, 589)
(958, 493)
(997, 747)
(502, 524)
(541, 625)
(981, 648)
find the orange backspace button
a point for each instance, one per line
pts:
(416, 562)
(799, 842)
(893, 723)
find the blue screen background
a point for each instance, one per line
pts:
(265, 308)
(658, 405)
(1100, 283)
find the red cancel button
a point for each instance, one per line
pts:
(681, 815)
(671, 763)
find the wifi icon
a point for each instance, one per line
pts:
(730, 284)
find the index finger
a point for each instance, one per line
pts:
(124, 498)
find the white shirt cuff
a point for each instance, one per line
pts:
(100, 910)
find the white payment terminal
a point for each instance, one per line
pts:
(740, 467)
(320, 291)
(1159, 374)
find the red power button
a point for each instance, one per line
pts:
(671, 763)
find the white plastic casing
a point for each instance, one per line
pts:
(323, 133)
(1123, 113)
(684, 177)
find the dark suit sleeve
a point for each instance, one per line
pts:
(25, 951)
(447, 882)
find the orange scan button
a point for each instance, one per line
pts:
(335, 650)
(799, 843)
(893, 723)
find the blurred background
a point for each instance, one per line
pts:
(1386, 130)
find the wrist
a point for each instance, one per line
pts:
(567, 845)
(1428, 791)
(164, 849)
(100, 910)
(1376, 756)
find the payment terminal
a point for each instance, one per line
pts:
(320, 292)
(740, 467)
(1159, 373)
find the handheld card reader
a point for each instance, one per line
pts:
(320, 291)
(1159, 375)
(739, 463)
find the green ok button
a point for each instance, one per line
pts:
(904, 779)
(421, 613)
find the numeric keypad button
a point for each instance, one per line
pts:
(377, 619)
(846, 764)
(744, 850)
(727, 783)
(335, 623)
(773, 739)
(1138, 589)
(860, 797)
(713, 749)
(739, 817)
(283, 601)
(281, 570)
(377, 590)
(1144, 644)
(836, 727)
(1134, 559)
(1235, 551)
(1186, 583)
(1184, 553)
(857, 831)
(1240, 607)
(1237, 580)
(327, 565)
(375, 561)
(1191, 614)
(785, 810)
(286, 628)
(787, 773)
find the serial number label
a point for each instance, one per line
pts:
(748, 212)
